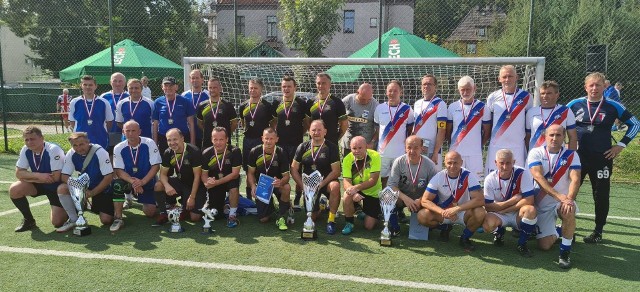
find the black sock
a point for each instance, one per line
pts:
(161, 201)
(296, 200)
(23, 205)
(248, 192)
(284, 208)
(349, 219)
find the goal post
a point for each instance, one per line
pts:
(348, 73)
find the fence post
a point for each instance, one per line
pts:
(4, 100)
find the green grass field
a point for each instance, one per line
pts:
(257, 256)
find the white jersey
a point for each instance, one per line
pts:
(427, 115)
(500, 190)
(508, 112)
(466, 121)
(453, 190)
(393, 122)
(538, 119)
(556, 168)
(148, 152)
(146, 91)
(51, 159)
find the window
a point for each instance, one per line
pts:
(373, 22)
(482, 31)
(349, 21)
(471, 48)
(240, 25)
(272, 26)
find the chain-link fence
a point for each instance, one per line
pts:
(576, 37)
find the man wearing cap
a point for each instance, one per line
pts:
(172, 111)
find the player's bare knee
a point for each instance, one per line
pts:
(546, 243)
(195, 217)
(158, 187)
(63, 189)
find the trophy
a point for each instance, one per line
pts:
(174, 218)
(209, 215)
(388, 198)
(310, 185)
(78, 191)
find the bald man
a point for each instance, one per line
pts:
(114, 96)
(360, 108)
(361, 173)
(453, 196)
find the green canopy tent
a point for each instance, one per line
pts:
(396, 43)
(130, 58)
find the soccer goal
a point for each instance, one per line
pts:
(347, 74)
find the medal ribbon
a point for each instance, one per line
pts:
(504, 98)
(135, 158)
(592, 118)
(546, 121)
(465, 118)
(287, 111)
(321, 108)
(315, 156)
(37, 164)
(415, 177)
(86, 106)
(194, 100)
(554, 169)
(220, 162)
(364, 163)
(451, 190)
(394, 114)
(253, 114)
(214, 114)
(170, 109)
(175, 156)
(504, 196)
(264, 159)
(133, 111)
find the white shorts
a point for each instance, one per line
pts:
(508, 220)
(518, 154)
(439, 164)
(474, 164)
(385, 166)
(459, 221)
(547, 221)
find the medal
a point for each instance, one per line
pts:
(215, 124)
(321, 108)
(466, 117)
(504, 197)
(593, 117)
(287, 122)
(313, 166)
(179, 163)
(220, 161)
(553, 167)
(253, 113)
(550, 180)
(464, 128)
(414, 178)
(264, 159)
(134, 158)
(89, 122)
(170, 121)
(89, 111)
(195, 100)
(252, 123)
(37, 162)
(507, 107)
(220, 175)
(314, 156)
(135, 169)
(132, 111)
(214, 114)
(590, 128)
(287, 112)
(507, 117)
(170, 110)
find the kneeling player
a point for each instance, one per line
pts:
(179, 177)
(508, 198)
(557, 172)
(361, 173)
(270, 160)
(221, 174)
(453, 196)
(136, 162)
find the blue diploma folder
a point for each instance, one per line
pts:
(264, 188)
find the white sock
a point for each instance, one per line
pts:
(566, 241)
(69, 207)
(232, 211)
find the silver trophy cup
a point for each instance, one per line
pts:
(388, 198)
(78, 191)
(174, 218)
(208, 217)
(310, 186)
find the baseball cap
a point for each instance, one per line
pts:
(169, 79)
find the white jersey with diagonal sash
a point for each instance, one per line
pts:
(450, 190)
(393, 122)
(498, 190)
(556, 168)
(539, 118)
(427, 114)
(466, 121)
(508, 114)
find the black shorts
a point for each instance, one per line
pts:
(184, 192)
(324, 190)
(264, 210)
(102, 203)
(371, 206)
(217, 197)
(54, 200)
(247, 145)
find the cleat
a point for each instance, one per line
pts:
(232, 222)
(161, 219)
(467, 244)
(348, 228)
(116, 225)
(594, 237)
(282, 224)
(361, 215)
(331, 228)
(524, 251)
(127, 204)
(395, 231)
(66, 227)
(563, 260)
(444, 234)
(25, 225)
(498, 239)
(402, 217)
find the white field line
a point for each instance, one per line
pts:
(610, 217)
(30, 205)
(243, 268)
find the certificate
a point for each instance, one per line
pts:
(264, 188)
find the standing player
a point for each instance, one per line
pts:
(410, 174)
(468, 126)
(91, 114)
(430, 119)
(322, 155)
(271, 160)
(196, 95)
(93, 160)
(293, 122)
(117, 93)
(395, 119)
(549, 113)
(136, 162)
(329, 109)
(62, 106)
(453, 196)
(361, 173)
(215, 112)
(221, 174)
(135, 108)
(172, 111)
(38, 173)
(256, 115)
(146, 91)
(508, 199)
(180, 177)
(594, 117)
(556, 170)
(507, 107)
(360, 108)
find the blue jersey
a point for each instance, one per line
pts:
(598, 139)
(612, 94)
(113, 100)
(51, 159)
(140, 112)
(195, 99)
(98, 168)
(137, 161)
(90, 116)
(180, 108)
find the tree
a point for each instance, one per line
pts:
(245, 44)
(310, 24)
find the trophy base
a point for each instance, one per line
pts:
(81, 231)
(206, 230)
(385, 241)
(309, 235)
(176, 229)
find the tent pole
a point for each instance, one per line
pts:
(111, 35)
(380, 30)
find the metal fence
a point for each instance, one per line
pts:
(575, 36)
